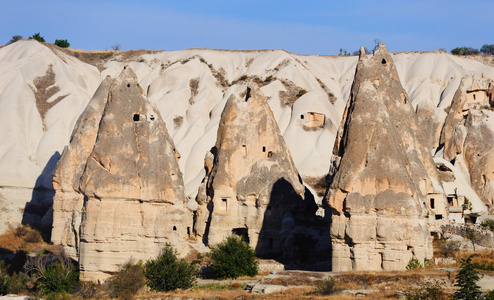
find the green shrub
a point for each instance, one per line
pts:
(52, 273)
(327, 286)
(233, 258)
(4, 285)
(58, 278)
(428, 291)
(127, 281)
(414, 264)
(37, 37)
(86, 289)
(489, 295)
(14, 39)
(466, 281)
(18, 283)
(487, 49)
(167, 272)
(488, 224)
(62, 43)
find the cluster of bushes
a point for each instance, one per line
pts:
(39, 38)
(486, 49)
(48, 274)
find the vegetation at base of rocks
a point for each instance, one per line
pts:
(52, 273)
(466, 281)
(167, 272)
(233, 258)
(127, 282)
(62, 43)
(428, 291)
(414, 264)
(472, 234)
(488, 224)
(37, 37)
(327, 286)
(219, 287)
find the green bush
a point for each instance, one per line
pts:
(487, 49)
(326, 286)
(62, 43)
(448, 247)
(428, 291)
(414, 264)
(58, 278)
(4, 285)
(488, 224)
(167, 272)
(233, 258)
(14, 39)
(37, 37)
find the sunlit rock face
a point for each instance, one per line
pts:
(124, 189)
(252, 187)
(382, 177)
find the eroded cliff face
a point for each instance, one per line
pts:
(252, 187)
(123, 183)
(384, 175)
(468, 136)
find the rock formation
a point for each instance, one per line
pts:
(68, 201)
(252, 187)
(131, 184)
(468, 134)
(385, 188)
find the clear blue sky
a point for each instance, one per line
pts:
(303, 27)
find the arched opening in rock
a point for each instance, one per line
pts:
(244, 150)
(432, 203)
(174, 228)
(263, 148)
(241, 232)
(151, 117)
(383, 61)
(128, 84)
(270, 154)
(136, 117)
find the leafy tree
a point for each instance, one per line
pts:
(473, 236)
(167, 272)
(376, 45)
(37, 37)
(466, 280)
(487, 49)
(448, 247)
(488, 224)
(14, 39)
(233, 258)
(464, 51)
(62, 43)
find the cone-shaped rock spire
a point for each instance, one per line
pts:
(252, 184)
(382, 176)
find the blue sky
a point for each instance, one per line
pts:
(302, 27)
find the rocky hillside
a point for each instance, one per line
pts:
(43, 90)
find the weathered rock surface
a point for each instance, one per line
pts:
(123, 166)
(68, 201)
(252, 187)
(383, 175)
(468, 134)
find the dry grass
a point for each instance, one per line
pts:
(194, 89)
(292, 93)
(319, 184)
(22, 238)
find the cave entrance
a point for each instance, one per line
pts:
(242, 232)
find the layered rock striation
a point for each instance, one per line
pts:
(385, 190)
(125, 170)
(252, 187)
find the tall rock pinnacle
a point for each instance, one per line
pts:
(385, 188)
(252, 184)
(134, 200)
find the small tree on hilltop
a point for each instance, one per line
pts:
(62, 43)
(466, 280)
(233, 258)
(487, 49)
(15, 38)
(37, 37)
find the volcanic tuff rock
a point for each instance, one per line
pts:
(468, 134)
(133, 191)
(252, 187)
(383, 175)
(68, 201)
